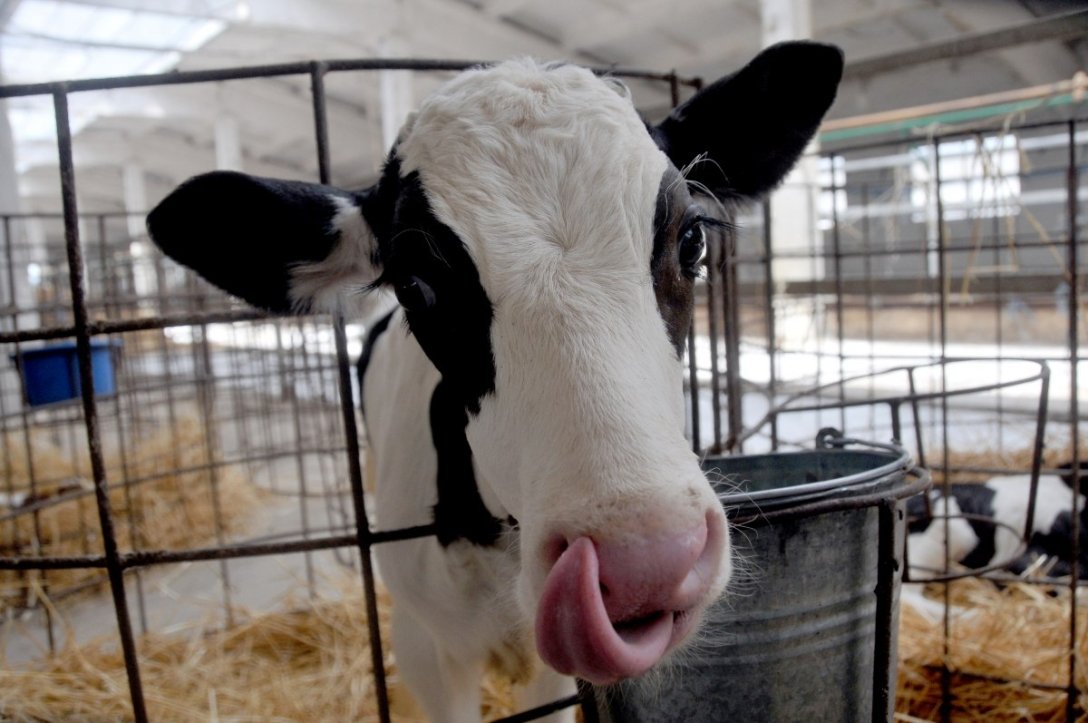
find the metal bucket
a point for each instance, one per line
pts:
(810, 631)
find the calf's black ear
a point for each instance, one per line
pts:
(285, 246)
(750, 127)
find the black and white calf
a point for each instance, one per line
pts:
(525, 394)
(992, 526)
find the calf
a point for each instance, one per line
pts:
(525, 394)
(993, 527)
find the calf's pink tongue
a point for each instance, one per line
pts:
(574, 634)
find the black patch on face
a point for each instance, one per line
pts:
(438, 285)
(460, 513)
(372, 335)
(448, 312)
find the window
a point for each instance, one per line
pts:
(832, 174)
(980, 178)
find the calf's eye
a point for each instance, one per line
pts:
(414, 294)
(692, 244)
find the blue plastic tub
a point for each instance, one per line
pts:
(51, 373)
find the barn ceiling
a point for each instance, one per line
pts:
(163, 135)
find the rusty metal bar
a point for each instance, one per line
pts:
(1072, 705)
(90, 409)
(282, 69)
(942, 330)
(887, 565)
(363, 535)
(772, 332)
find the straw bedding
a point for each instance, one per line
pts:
(999, 636)
(1018, 633)
(315, 665)
(312, 665)
(169, 507)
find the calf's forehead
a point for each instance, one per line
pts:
(532, 165)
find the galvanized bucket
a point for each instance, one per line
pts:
(810, 631)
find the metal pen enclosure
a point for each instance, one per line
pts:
(930, 249)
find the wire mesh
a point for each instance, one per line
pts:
(922, 250)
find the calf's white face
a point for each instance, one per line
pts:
(544, 247)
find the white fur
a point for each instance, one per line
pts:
(1011, 505)
(927, 548)
(324, 285)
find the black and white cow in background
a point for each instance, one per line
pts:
(977, 541)
(525, 395)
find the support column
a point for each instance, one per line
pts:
(228, 145)
(13, 236)
(794, 206)
(134, 184)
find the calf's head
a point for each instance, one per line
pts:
(544, 245)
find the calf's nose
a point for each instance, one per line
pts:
(612, 607)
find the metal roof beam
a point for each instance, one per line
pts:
(1056, 27)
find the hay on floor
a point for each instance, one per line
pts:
(1016, 633)
(315, 665)
(167, 508)
(312, 665)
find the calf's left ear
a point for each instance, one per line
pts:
(285, 246)
(749, 128)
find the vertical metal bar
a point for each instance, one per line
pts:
(999, 334)
(693, 391)
(103, 263)
(836, 251)
(206, 400)
(731, 334)
(674, 88)
(897, 423)
(772, 332)
(916, 411)
(713, 253)
(351, 432)
(90, 409)
(942, 329)
(887, 564)
(1037, 454)
(870, 295)
(288, 381)
(1072, 706)
(134, 534)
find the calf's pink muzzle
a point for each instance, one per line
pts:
(612, 609)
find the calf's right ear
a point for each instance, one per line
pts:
(284, 246)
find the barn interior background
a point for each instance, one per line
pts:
(207, 505)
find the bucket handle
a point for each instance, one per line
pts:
(831, 438)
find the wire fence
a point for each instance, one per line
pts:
(917, 252)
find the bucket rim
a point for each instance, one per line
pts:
(899, 461)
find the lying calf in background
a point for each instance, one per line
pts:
(991, 532)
